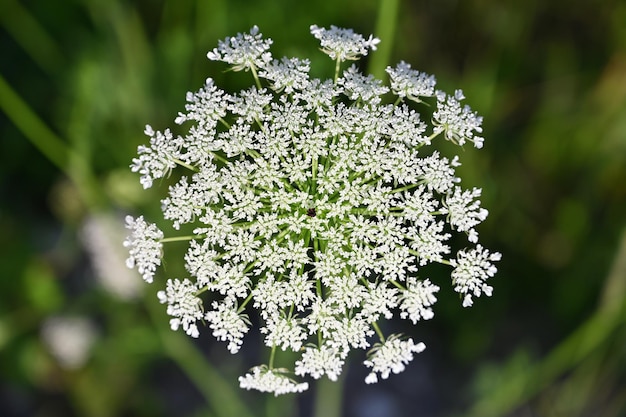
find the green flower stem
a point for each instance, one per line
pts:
(73, 164)
(405, 188)
(245, 302)
(313, 182)
(31, 36)
(250, 267)
(220, 158)
(434, 135)
(397, 285)
(328, 397)
(385, 29)
(32, 127)
(272, 356)
(256, 77)
(220, 395)
(179, 238)
(379, 332)
(186, 165)
(224, 122)
(337, 69)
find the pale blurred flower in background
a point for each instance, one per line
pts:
(69, 339)
(101, 235)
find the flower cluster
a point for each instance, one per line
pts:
(315, 203)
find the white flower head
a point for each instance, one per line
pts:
(391, 356)
(228, 324)
(360, 87)
(271, 380)
(458, 123)
(183, 305)
(417, 300)
(464, 211)
(144, 245)
(379, 300)
(205, 107)
(319, 361)
(157, 160)
(409, 83)
(343, 44)
(244, 51)
(288, 74)
(471, 269)
(284, 333)
(312, 206)
(439, 173)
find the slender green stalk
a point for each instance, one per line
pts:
(272, 356)
(32, 127)
(186, 165)
(31, 36)
(385, 29)
(49, 144)
(256, 78)
(328, 397)
(379, 332)
(179, 238)
(337, 68)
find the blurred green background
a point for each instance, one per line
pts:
(81, 336)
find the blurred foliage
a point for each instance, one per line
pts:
(80, 78)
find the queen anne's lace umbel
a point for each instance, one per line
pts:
(316, 203)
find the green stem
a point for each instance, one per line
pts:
(402, 189)
(272, 355)
(245, 302)
(31, 36)
(313, 187)
(224, 122)
(178, 238)
(434, 135)
(337, 68)
(328, 397)
(32, 127)
(385, 30)
(379, 332)
(397, 285)
(185, 165)
(50, 145)
(256, 77)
